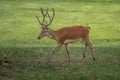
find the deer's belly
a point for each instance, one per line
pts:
(72, 40)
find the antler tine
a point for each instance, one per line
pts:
(42, 11)
(51, 19)
(39, 21)
(44, 14)
(38, 18)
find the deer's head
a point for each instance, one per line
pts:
(44, 24)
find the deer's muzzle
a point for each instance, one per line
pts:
(38, 37)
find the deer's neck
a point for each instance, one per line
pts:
(53, 34)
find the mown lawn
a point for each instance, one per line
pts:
(25, 54)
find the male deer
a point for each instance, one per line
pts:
(64, 35)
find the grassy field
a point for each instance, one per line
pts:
(25, 54)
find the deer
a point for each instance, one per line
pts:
(65, 35)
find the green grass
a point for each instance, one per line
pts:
(19, 29)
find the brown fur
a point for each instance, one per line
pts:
(64, 35)
(68, 35)
(73, 32)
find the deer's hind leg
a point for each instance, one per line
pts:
(87, 43)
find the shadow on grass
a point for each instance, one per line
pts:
(41, 53)
(28, 63)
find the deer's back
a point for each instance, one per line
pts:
(73, 33)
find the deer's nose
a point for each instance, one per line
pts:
(38, 37)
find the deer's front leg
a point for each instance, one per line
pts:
(54, 51)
